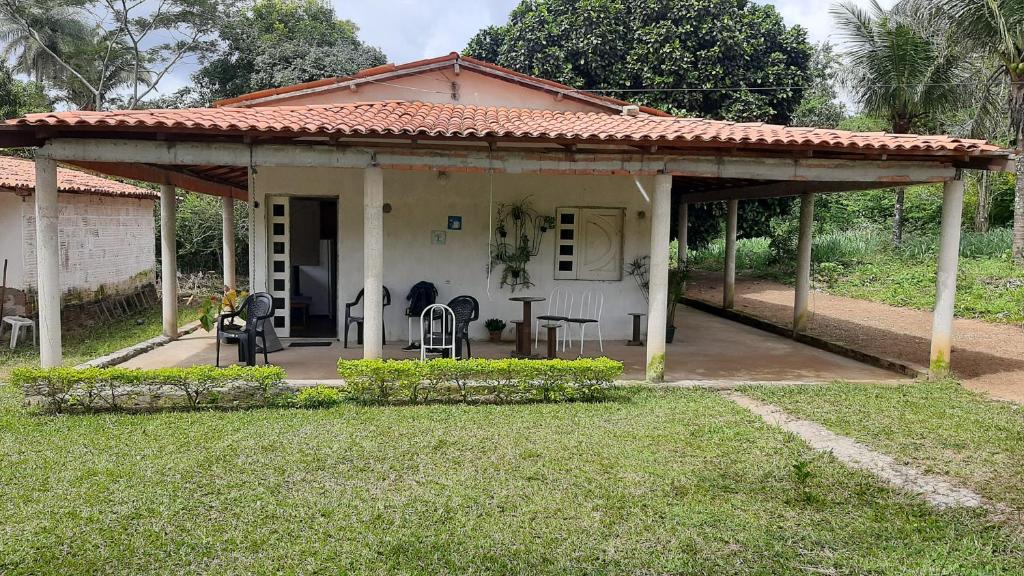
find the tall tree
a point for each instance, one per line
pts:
(996, 28)
(821, 106)
(902, 66)
(730, 59)
(102, 47)
(272, 43)
(18, 98)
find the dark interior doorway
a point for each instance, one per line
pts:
(314, 262)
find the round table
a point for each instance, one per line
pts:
(524, 336)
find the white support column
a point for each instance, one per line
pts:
(729, 284)
(373, 262)
(803, 264)
(228, 227)
(259, 260)
(657, 312)
(683, 229)
(48, 263)
(949, 256)
(168, 261)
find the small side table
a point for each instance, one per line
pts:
(636, 341)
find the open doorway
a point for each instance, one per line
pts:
(313, 257)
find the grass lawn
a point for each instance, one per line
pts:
(987, 288)
(939, 427)
(83, 345)
(657, 482)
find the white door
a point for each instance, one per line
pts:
(280, 265)
(589, 244)
(601, 254)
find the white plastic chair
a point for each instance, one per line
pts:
(590, 309)
(17, 323)
(437, 329)
(559, 308)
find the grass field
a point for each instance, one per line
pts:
(656, 482)
(86, 344)
(862, 263)
(938, 427)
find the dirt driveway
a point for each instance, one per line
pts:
(986, 357)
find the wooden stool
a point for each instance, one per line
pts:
(552, 340)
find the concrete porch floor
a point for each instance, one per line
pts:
(706, 348)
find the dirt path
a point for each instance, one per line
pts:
(987, 357)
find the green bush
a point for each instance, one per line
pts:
(319, 396)
(504, 380)
(96, 389)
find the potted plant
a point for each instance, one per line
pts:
(212, 308)
(639, 269)
(495, 327)
(676, 285)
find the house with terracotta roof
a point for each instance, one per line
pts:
(483, 181)
(105, 230)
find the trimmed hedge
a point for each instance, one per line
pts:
(109, 389)
(504, 380)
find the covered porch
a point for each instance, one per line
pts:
(388, 183)
(704, 350)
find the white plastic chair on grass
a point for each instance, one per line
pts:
(437, 329)
(559, 308)
(589, 312)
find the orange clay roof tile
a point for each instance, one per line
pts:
(20, 174)
(397, 118)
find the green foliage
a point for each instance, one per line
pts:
(199, 236)
(753, 219)
(93, 389)
(94, 53)
(504, 380)
(19, 98)
(821, 106)
(617, 44)
(319, 396)
(272, 43)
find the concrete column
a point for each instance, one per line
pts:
(48, 263)
(259, 259)
(229, 242)
(373, 262)
(729, 284)
(803, 263)
(657, 312)
(168, 260)
(949, 256)
(683, 228)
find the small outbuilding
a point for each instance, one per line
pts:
(105, 235)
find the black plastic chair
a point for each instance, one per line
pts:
(255, 310)
(358, 320)
(466, 309)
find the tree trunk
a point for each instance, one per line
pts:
(984, 204)
(897, 225)
(1017, 129)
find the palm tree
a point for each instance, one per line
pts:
(996, 29)
(60, 29)
(902, 67)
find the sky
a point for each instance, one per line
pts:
(408, 30)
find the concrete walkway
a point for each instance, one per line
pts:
(987, 357)
(707, 348)
(937, 491)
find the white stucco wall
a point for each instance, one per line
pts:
(422, 201)
(11, 238)
(104, 242)
(434, 86)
